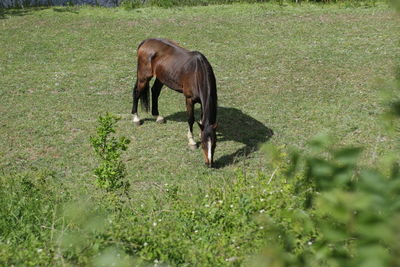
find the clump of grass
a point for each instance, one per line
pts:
(29, 216)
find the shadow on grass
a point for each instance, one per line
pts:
(13, 12)
(234, 125)
(68, 9)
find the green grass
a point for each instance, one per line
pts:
(295, 70)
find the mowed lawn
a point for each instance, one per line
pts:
(293, 71)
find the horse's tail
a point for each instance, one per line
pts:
(144, 96)
(206, 86)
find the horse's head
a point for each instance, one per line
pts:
(208, 142)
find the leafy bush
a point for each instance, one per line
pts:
(111, 171)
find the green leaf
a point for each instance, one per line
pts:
(347, 156)
(320, 141)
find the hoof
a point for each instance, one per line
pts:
(160, 119)
(209, 165)
(192, 147)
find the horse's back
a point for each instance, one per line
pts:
(164, 59)
(161, 47)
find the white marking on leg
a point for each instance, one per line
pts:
(136, 118)
(209, 149)
(159, 118)
(190, 138)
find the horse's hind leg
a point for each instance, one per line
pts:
(155, 93)
(141, 88)
(135, 96)
(141, 91)
(190, 111)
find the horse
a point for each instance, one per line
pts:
(187, 72)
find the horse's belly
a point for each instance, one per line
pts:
(172, 84)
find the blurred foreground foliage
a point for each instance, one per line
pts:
(349, 213)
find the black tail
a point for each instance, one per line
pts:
(144, 96)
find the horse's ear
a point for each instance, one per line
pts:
(215, 125)
(200, 126)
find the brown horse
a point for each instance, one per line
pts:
(187, 72)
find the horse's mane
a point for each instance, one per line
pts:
(206, 87)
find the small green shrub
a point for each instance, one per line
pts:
(111, 172)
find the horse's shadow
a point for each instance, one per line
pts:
(234, 125)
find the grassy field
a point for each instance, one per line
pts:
(292, 70)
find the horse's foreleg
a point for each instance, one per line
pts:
(155, 93)
(190, 111)
(201, 117)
